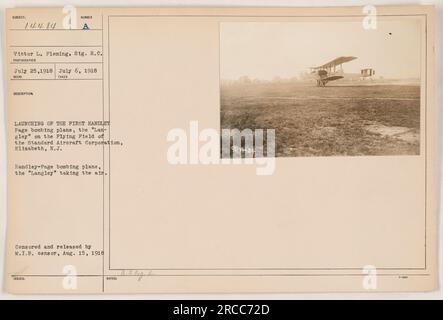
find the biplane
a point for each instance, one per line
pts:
(333, 70)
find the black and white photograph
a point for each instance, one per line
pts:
(327, 88)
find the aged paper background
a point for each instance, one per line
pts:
(311, 226)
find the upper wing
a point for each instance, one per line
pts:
(335, 62)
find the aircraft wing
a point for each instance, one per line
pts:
(333, 78)
(335, 62)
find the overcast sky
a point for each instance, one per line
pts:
(265, 50)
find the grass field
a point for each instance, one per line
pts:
(327, 121)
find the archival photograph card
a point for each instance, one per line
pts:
(221, 150)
